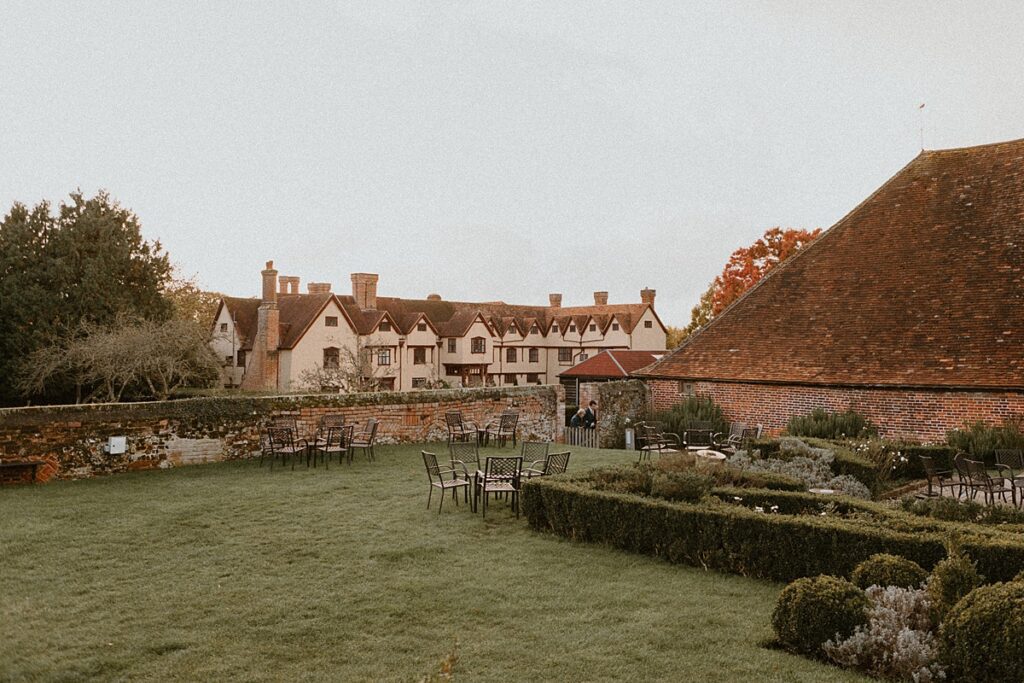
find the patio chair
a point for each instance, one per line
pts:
(266, 451)
(286, 422)
(365, 439)
(446, 479)
(333, 441)
(554, 463)
(283, 443)
(670, 441)
(937, 478)
(989, 486)
(741, 441)
(963, 476)
(732, 436)
(459, 429)
(1010, 463)
(465, 456)
(648, 440)
(506, 427)
(500, 475)
(698, 439)
(536, 454)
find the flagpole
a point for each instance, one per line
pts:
(920, 112)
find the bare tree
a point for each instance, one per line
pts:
(353, 372)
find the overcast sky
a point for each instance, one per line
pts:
(491, 150)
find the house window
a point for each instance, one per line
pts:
(223, 327)
(534, 330)
(228, 360)
(533, 378)
(422, 327)
(451, 345)
(554, 328)
(687, 389)
(593, 327)
(419, 356)
(564, 355)
(384, 356)
(452, 370)
(419, 382)
(331, 321)
(384, 326)
(534, 355)
(331, 358)
(648, 324)
(510, 355)
(478, 345)
(240, 360)
(510, 379)
(615, 327)
(572, 328)
(387, 383)
(582, 357)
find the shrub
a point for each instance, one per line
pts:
(951, 580)
(688, 486)
(897, 643)
(885, 570)
(982, 440)
(811, 465)
(811, 611)
(953, 510)
(825, 425)
(982, 638)
(691, 412)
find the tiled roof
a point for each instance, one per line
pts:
(297, 312)
(244, 313)
(921, 285)
(612, 364)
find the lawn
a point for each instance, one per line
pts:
(229, 571)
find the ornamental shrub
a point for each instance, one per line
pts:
(811, 611)
(825, 425)
(981, 440)
(982, 637)
(953, 510)
(951, 580)
(883, 569)
(685, 486)
(691, 413)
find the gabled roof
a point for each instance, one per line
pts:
(244, 313)
(921, 285)
(611, 364)
(296, 313)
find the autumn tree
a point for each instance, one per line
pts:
(190, 302)
(744, 269)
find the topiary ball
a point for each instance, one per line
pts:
(951, 580)
(887, 570)
(982, 637)
(811, 611)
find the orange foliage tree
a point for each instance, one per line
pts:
(745, 267)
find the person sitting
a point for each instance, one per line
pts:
(590, 416)
(577, 419)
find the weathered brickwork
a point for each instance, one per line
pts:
(616, 402)
(917, 415)
(72, 439)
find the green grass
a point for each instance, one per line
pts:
(229, 571)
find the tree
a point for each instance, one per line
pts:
(353, 372)
(744, 269)
(85, 265)
(189, 302)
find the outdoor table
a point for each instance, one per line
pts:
(709, 454)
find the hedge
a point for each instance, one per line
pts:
(846, 461)
(736, 539)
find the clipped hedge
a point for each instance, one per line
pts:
(811, 611)
(737, 539)
(846, 460)
(982, 638)
(888, 570)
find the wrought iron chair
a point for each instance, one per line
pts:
(445, 479)
(536, 454)
(334, 441)
(648, 441)
(698, 439)
(365, 439)
(266, 451)
(733, 437)
(964, 477)
(465, 456)
(554, 463)
(1010, 463)
(284, 444)
(500, 475)
(506, 427)
(459, 429)
(938, 478)
(989, 486)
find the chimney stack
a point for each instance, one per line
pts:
(433, 297)
(364, 290)
(647, 296)
(555, 300)
(600, 298)
(289, 284)
(319, 287)
(269, 283)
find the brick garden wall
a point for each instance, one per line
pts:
(916, 415)
(170, 433)
(616, 402)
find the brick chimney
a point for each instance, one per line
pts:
(600, 298)
(647, 296)
(364, 290)
(433, 297)
(269, 283)
(319, 287)
(555, 300)
(288, 284)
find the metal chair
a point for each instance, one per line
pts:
(335, 440)
(465, 455)
(936, 477)
(982, 481)
(283, 443)
(507, 424)
(459, 429)
(554, 463)
(648, 441)
(365, 439)
(535, 453)
(500, 475)
(698, 439)
(437, 477)
(964, 477)
(1010, 463)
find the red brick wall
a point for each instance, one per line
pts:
(910, 414)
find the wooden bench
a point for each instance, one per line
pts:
(13, 471)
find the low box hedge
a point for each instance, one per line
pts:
(737, 539)
(846, 460)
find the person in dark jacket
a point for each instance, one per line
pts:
(590, 416)
(577, 419)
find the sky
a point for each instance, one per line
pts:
(491, 150)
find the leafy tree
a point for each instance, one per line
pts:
(86, 264)
(745, 268)
(189, 302)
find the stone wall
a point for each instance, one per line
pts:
(72, 439)
(916, 415)
(616, 402)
